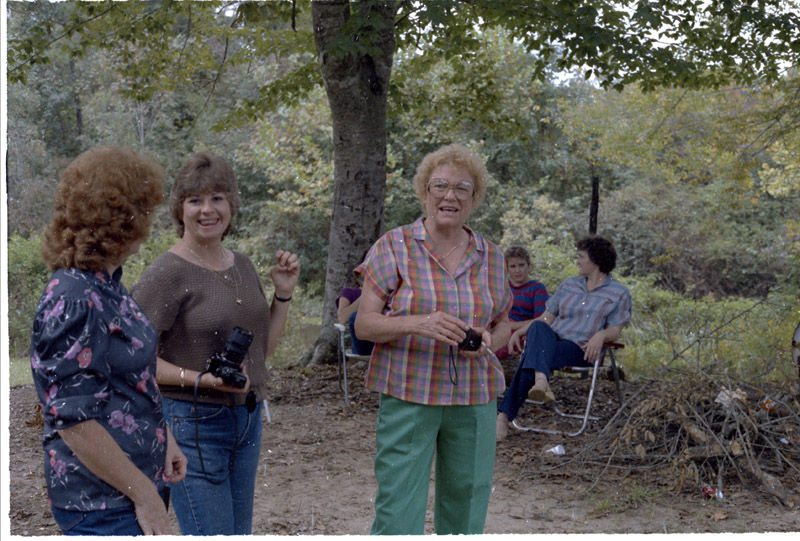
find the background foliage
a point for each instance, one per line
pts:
(699, 188)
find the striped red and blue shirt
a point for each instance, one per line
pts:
(529, 301)
(579, 313)
(402, 270)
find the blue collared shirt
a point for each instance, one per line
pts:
(579, 313)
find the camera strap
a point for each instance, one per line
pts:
(197, 421)
(197, 432)
(452, 369)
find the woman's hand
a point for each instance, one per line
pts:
(93, 445)
(285, 273)
(175, 462)
(594, 347)
(440, 326)
(517, 341)
(371, 324)
(152, 516)
(486, 344)
(210, 381)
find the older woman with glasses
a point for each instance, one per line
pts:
(435, 301)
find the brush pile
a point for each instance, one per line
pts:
(697, 430)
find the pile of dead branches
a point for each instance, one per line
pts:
(699, 429)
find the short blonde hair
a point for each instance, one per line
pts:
(103, 205)
(457, 155)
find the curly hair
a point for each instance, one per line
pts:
(600, 250)
(203, 173)
(518, 252)
(457, 155)
(103, 206)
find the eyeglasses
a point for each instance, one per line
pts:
(439, 187)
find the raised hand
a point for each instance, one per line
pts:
(285, 273)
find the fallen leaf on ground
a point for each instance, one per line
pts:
(718, 515)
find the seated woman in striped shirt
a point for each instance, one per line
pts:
(585, 311)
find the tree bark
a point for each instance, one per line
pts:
(77, 101)
(595, 204)
(357, 86)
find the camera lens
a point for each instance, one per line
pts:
(238, 343)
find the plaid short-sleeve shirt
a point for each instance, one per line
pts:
(402, 270)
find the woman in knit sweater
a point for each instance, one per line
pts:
(196, 294)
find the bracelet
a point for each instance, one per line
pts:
(183, 375)
(282, 299)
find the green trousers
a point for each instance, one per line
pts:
(463, 439)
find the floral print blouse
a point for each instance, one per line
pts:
(93, 357)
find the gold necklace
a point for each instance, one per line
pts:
(453, 249)
(235, 282)
(203, 260)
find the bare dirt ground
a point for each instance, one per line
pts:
(316, 473)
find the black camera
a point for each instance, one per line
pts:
(472, 342)
(228, 364)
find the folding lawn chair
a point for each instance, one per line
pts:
(345, 353)
(608, 347)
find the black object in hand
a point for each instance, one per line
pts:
(472, 342)
(228, 364)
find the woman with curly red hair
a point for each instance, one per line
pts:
(108, 450)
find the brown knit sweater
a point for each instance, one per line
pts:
(194, 310)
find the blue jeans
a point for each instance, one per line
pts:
(216, 497)
(359, 347)
(544, 351)
(117, 521)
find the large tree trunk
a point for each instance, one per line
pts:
(357, 86)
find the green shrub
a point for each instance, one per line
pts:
(552, 263)
(747, 338)
(302, 329)
(27, 277)
(156, 244)
(19, 371)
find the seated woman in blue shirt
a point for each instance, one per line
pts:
(108, 451)
(585, 311)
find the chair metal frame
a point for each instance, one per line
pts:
(608, 347)
(344, 354)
